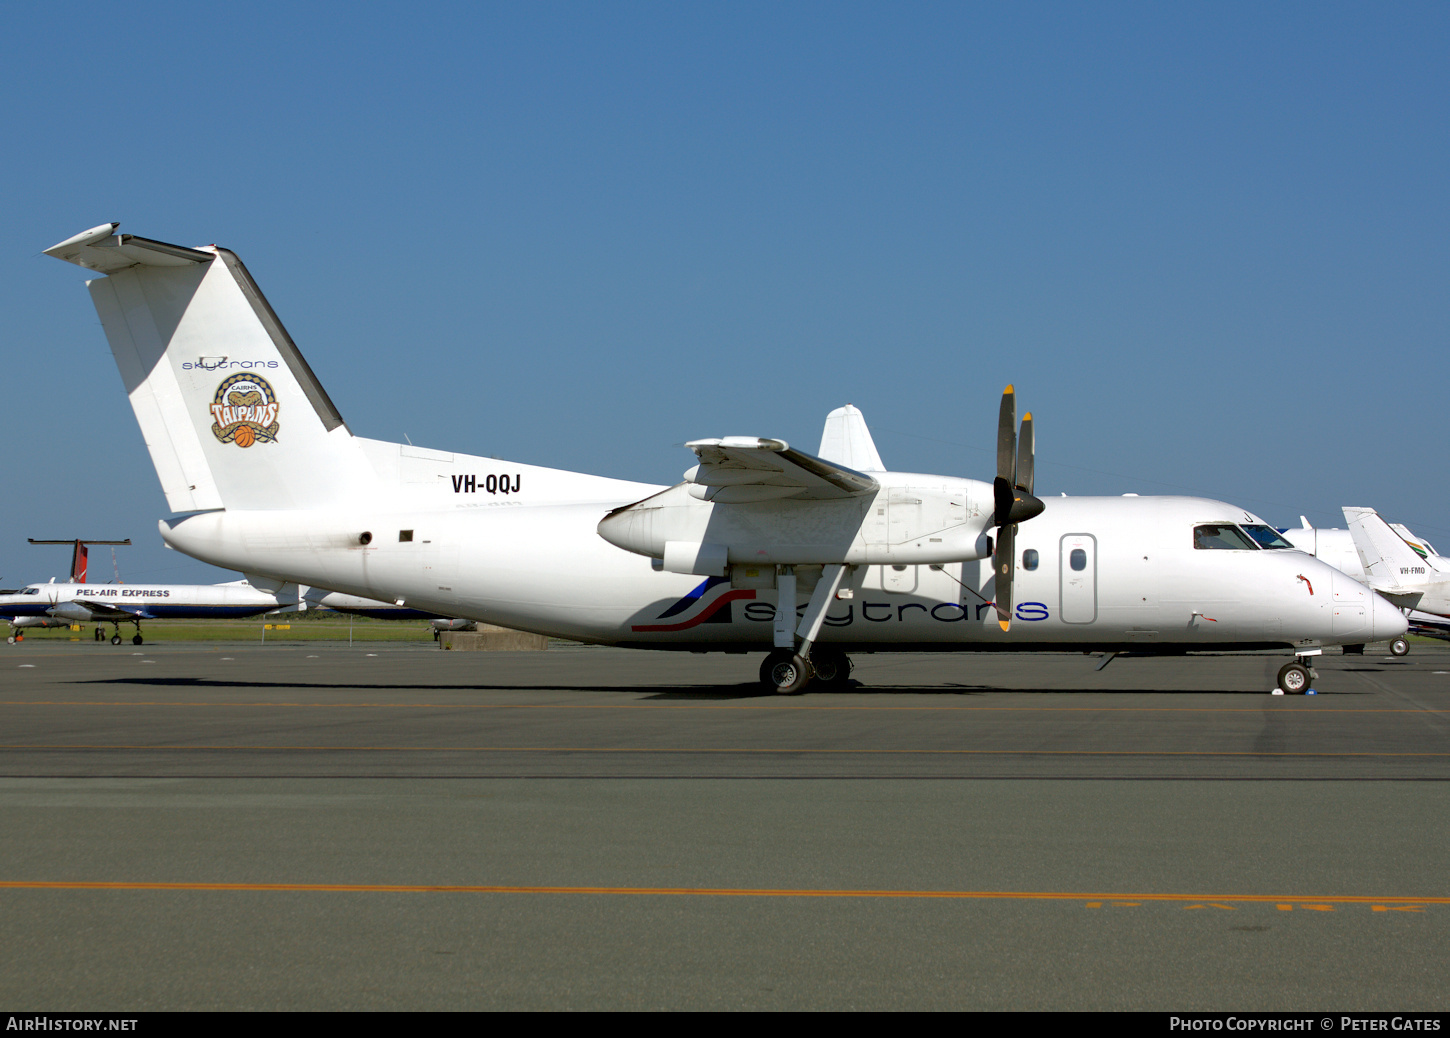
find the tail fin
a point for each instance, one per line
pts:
(1389, 561)
(231, 413)
(80, 555)
(846, 441)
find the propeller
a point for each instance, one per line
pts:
(1012, 497)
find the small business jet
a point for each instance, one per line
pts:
(1406, 568)
(762, 547)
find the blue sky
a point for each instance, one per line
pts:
(1207, 242)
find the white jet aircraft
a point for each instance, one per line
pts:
(245, 439)
(1397, 565)
(1419, 591)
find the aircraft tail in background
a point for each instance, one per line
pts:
(1388, 560)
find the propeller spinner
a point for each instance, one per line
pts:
(1013, 500)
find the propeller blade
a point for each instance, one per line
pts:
(1003, 497)
(1007, 437)
(1026, 446)
(1002, 570)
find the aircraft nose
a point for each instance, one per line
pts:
(1386, 620)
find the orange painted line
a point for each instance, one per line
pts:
(727, 749)
(972, 895)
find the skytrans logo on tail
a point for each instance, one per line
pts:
(245, 411)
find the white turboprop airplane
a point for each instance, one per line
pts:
(244, 438)
(59, 605)
(115, 604)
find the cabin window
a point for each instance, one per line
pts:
(1222, 536)
(1029, 559)
(405, 535)
(1077, 559)
(1267, 536)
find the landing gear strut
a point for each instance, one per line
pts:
(793, 664)
(136, 639)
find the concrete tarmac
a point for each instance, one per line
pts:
(303, 827)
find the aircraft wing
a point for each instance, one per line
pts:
(742, 469)
(111, 611)
(1429, 624)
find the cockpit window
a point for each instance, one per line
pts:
(1222, 535)
(1267, 536)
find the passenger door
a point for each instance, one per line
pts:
(1078, 566)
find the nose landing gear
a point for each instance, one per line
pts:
(1294, 678)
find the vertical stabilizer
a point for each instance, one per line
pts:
(846, 441)
(1388, 560)
(231, 412)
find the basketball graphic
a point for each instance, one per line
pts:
(244, 411)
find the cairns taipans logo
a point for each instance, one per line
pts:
(245, 411)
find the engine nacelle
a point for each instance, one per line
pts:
(898, 524)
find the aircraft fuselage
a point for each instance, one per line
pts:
(1105, 573)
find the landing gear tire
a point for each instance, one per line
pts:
(1354, 650)
(1399, 647)
(785, 673)
(11, 639)
(100, 635)
(115, 639)
(1293, 679)
(832, 668)
(137, 640)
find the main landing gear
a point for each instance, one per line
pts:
(795, 662)
(136, 638)
(1399, 647)
(786, 673)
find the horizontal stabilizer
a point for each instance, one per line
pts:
(103, 250)
(741, 469)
